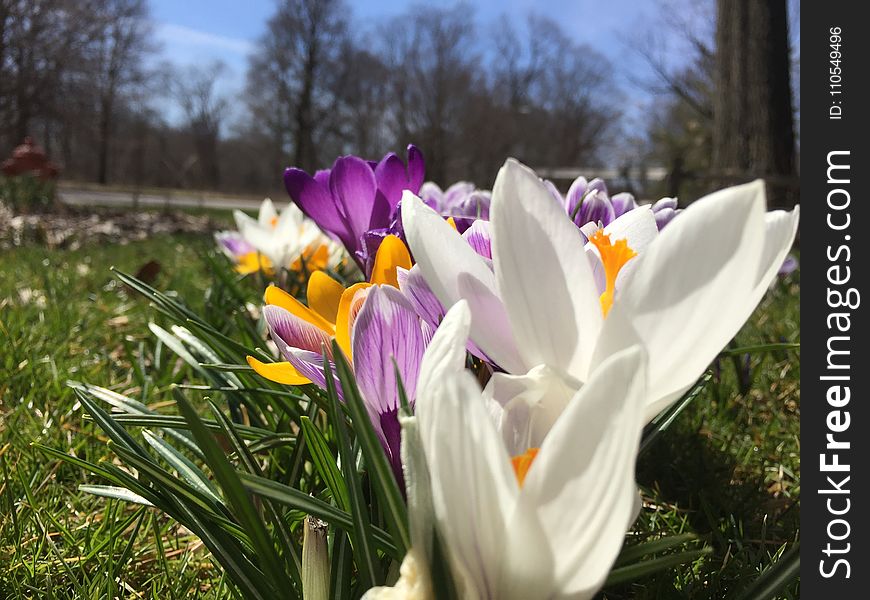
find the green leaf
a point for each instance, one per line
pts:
(641, 569)
(236, 494)
(310, 505)
(325, 463)
(667, 417)
(185, 467)
(117, 493)
(385, 486)
(637, 551)
(364, 553)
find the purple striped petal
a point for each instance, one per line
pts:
(478, 237)
(595, 208)
(311, 365)
(664, 216)
(387, 329)
(664, 203)
(420, 295)
(622, 203)
(295, 332)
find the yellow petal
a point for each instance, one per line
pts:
(392, 253)
(278, 297)
(324, 295)
(279, 372)
(315, 258)
(251, 262)
(346, 316)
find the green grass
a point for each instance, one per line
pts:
(727, 470)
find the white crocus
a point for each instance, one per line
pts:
(282, 238)
(538, 308)
(549, 528)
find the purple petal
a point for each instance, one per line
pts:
(295, 332)
(421, 296)
(233, 243)
(311, 365)
(387, 329)
(353, 185)
(595, 208)
(665, 203)
(478, 237)
(315, 200)
(392, 179)
(369, 243)
(789, 265)
(664, 216)
(432, 196)
(622, 203)
(416, 168)
(575, 195)
(322, 177)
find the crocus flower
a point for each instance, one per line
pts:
(355, 197)
(462, 201)
(374, 325)
(277, 240)
(550, 307)
(544, 522)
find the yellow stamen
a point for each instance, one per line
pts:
(324, 295)
(279, 372)
(278, 297)
(347, 311)
(392, 253)
(273, 221)
(613, 258)
(251, 262)
(522, 463)
(452, 222)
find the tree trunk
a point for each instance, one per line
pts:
(753, 129)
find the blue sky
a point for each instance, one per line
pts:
(201, 31)
(198, 32)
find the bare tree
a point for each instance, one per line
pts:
(432, 56)
(120, 50)
(290, 76)
(204, 109)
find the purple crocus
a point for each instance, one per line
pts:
(462, 201)
(386, 333)
(387, 337)
(356, 197)
(665, 210)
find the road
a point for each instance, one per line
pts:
(75, 197)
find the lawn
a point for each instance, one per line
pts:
(726, 470)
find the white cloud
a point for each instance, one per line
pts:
(179, 35)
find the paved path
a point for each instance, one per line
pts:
(76, 197)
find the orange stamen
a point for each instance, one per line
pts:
(522, 463)
(613, 258)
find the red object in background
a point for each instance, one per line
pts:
(29, 158)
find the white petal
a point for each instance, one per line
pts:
(443, 256)
(689, 294)
(473, 487)
(585, 469)
(530, 405)
(780, 230)
(543, 276)
(267, 213)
